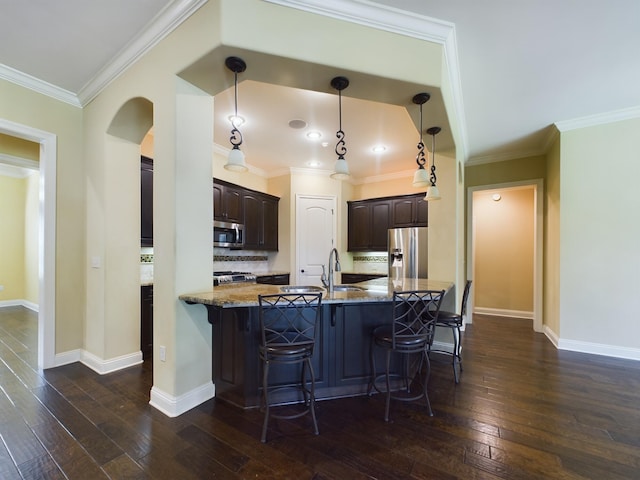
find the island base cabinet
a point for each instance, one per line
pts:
(237, 368)
(340, 362)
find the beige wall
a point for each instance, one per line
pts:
(599, 255)
(504, 250)
(31, 238)
(18, 147)
(12, 241)
(551, 309)
(19, 239)
(25, 107)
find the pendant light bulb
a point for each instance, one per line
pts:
(235, 161)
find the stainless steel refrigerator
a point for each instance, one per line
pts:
(408, 253)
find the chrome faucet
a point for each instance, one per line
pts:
(323, 278)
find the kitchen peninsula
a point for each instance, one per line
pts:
(341, 357)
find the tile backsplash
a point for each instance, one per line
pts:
(371, 263)
(240, 260)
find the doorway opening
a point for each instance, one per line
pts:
(46, 235)
(505, 249)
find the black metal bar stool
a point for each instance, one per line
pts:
(410, 331)
(453, 321)
(288, 325)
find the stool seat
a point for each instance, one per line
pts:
(288, 325)
(409, 332)
(384, 337)
(453, 321)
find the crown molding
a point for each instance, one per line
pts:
(165, 22)
(405, 174)
(32, 83)
(599, 119)
(394, 20)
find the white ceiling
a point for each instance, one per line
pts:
(523, 66)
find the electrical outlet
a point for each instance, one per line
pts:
(1, 287)
(163, 353)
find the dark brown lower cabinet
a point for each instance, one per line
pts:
(340, 359)
(360, 277)
(146, 321)
(282, 279)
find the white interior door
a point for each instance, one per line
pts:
(315, 236)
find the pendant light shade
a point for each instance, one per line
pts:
(235, 161)
(432, 191)
(421, 178)
(341, 170)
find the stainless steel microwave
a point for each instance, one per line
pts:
(227, 234)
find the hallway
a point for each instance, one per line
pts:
(523, 410)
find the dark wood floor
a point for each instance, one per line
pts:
(522, 411)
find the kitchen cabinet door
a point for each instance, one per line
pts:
(359, 226)
(281, 279)
(146, 321)
(260, 221)
(367, 226)
(380, 216)
(146, 202)
(409, 211)
(227, 203)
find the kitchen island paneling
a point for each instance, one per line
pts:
(341, 357)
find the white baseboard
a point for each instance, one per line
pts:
(599, 349)
(501, 312)
(551, 335)
(66, 358)
(442, 346)
(20, 303)
(173, 406)
(102, 366)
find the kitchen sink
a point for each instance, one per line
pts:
(301, 289)
(347, 288)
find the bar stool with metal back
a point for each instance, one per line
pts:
(288, 325)
(454, 321)
(410, 332)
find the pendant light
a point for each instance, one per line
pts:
(432, 191)
(341, 168)
(420, 178)
(235, 161)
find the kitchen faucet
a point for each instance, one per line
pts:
(323, 278)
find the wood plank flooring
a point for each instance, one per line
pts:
(523, 410)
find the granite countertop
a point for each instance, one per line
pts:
(246, 295)
(272, 272)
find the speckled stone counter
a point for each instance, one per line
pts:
(246, 295)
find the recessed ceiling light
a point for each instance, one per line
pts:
(297, 123)
(325, 144)
(379, 148)
(236, 120)
(314, 163)
(314, 135)
(496, 197)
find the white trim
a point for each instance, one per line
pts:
(173, 406)
(65, 358)
(102, 366)
(599, 349)
(47, 235)
(165, 22)
(503, 312)
(19, 303)
(410, 24)
(599, 119)
(538, 268)
(32, 83)
(551, 335)
(442, 347)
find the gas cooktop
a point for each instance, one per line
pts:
(228, 276)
